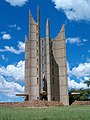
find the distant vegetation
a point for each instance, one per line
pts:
(84, 93)
(55, 113)
(87, 82)
(83, 96)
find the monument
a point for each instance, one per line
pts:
(45, 64)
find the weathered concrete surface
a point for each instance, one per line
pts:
(45, 64)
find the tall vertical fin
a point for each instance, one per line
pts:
(59, 52)
(29, 23)
(38, 16)
(32, 58)
(48, 66)
(27, 88)
(39, 51)
(47, 29)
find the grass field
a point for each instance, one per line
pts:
(55, 113)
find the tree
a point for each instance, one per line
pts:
(87, 82)
(83, 96)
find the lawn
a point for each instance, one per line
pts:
(54, 113)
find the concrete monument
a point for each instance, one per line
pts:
(45, 64)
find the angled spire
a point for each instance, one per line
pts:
(30, 13)
(61, 34)
(38, 21)
(47, 28)
(38, 9)
(31, 19)
(62, 31)
(26, 44)
(63, 28)
(26, 39)
(47, 23)
(31, 22)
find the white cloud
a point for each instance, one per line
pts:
(18, 28)
(13, 72)
(82, 70)
(3, 32)
(79, 72)
(76, 41)
(12, 26)
(74, 9)
(68, 67)
(3, 57)
(88, 50)
(86, 78)
(15, 26)
(21, 48)
(73, 84)
(17, 2)
(73, 40)
(85, 40)
(10, 88)
(6, 36)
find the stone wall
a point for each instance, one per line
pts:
(81, 103)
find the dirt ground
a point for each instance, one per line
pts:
(32, 103)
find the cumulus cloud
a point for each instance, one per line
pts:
(86, 78)
(76, 41)
(20, 46)
(73, 84)
(74, 9)
(14, 26)
(9, 78)
(13, 72)
(4, 58)
(82, 70)
(17, 2)
(68, 67)
(6, 36)
(18, 28)
(10, 88)
(3, 32)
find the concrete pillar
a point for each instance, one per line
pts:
(39, 53)
(27, 87)
(33, 58)
(48, 61)
(59, 51)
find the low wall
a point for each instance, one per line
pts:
(32, 103)
(81, 103)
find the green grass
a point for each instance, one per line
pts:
(55, 113)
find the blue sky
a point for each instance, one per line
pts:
(14, 26)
